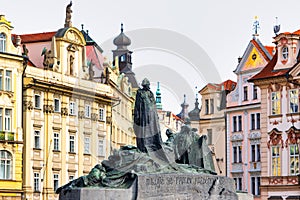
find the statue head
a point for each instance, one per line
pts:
(146, 83)
(169, 132)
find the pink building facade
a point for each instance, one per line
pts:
(243, 121)
(280, 119)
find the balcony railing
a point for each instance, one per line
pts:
(7, 136)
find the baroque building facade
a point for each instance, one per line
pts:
(243, 118)
(280, 127)
(67, 112)
(212, 120)
(11, 132)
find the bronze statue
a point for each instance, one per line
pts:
(146, 123)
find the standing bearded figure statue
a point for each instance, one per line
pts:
(146, 124)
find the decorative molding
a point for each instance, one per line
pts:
(37, 125)
(94, 116)
(28, 105)
(72, 131)
(293, 136)
(48, 109)
(275, 138)
(80, 114)
(56, 128)
(276, 180)
(64, 111)
(255, 135)
(237, 137)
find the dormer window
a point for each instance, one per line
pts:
(285, 52)
(2, 42)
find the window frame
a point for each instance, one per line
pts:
(36, 182)
(8, 81)
(87, 145)
(275, 103)
(296, 157)
(6, 158)
(285, 52)
(275, 164)
(3, 42)
(56, 105)
(37, 101)
(55, 181)
(8, 120)
(56, 141)
(87, 110)
(102, 114)
(295, 98)
(72, 143)
(37, 139)
(72, 108)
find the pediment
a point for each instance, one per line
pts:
(71, 35)
(255, 57)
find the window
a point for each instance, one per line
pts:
(254, 92)
(56, 142)
(238, 183)
(211, 106)
(209, 136)
(37, 101)
(255, 186)
(252, 121)
(239, 123)
(36, 182)
(294, 159)
(123, 57)
(101, 114)
(71, 178)
(285, 53)
(101, 147)
(206, 106)
(8, 80)
(7, 120)
(2, 42)
(55, 181)
(245, 93)
(87, 145)
(72, 144)
(1, 119)
(1, 79)
(293, 101)
(255, 152)
(234, 124)
(276, 161)
(237, 154)
(255, 121)
(37, 139)
(72, 108)
(5, 165)
(275, 103)
(56, 105)
(87, 111)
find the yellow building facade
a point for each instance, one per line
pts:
(67, 115)
(11, 141)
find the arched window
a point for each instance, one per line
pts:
(5, 165)
(2, 42)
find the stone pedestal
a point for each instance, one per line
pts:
(163, 187)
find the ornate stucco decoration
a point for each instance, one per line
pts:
(28, 105)
(64, 111)
(293, 136)
(94, 116)
(237, 137)
(275, 138)
(80, 114)
(48, 109)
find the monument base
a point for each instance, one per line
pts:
(167, 186)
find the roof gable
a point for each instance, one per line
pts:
(255, 56)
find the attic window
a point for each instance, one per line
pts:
(254, 56)
(285, 52)
(2, 42)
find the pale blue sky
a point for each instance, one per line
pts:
(221, 28)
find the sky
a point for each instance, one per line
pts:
(181, 44)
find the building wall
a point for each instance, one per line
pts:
(213, 125)
(54, 162)
(11, 138)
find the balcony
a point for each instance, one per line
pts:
(7, 136)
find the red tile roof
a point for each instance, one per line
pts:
(228, 85)
(268, 71)
(37, 37)
(297, 32)
(270, 49)
(95, 56)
